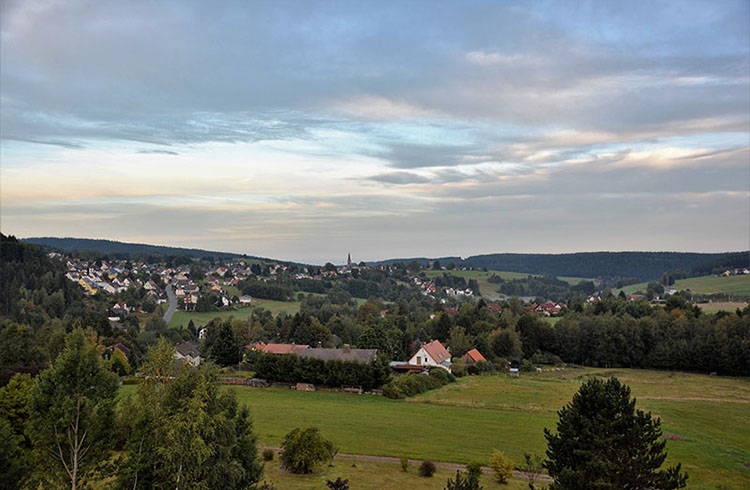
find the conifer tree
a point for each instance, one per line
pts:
(603, 442)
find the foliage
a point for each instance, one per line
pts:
(467, 481)
(338, 484)
(411, 384)
(295, 369)
(427, 468)
(474, 470)
(71, 413)
(501, 466)
(604, 441)
(532, 468)
(119, 364)
(268, 455)
(305, 449)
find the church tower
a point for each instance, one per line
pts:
(349, 261)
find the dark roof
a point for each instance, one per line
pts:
(188, 349)
(365, 356)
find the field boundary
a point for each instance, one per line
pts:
(521, 475)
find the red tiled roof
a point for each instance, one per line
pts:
(437, 351)
(475, 355)
(283, 348)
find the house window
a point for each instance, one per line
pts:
(419, 360)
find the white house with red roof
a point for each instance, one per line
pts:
(432, 354)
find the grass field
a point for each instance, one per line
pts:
(182, 318)
(703, 285)
(721, 306)
(466, 420)
(371, 476)
(488, 289)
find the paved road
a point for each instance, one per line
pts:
(172, 303)
(416, 462)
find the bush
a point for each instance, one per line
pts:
(339, 484)
(304, 449)
(463, 482)
(131, 381)
(411, 384)
(442, 375)
(427, 468)
(474, 470)
(404, 464)
(267, 454)
(501, 466)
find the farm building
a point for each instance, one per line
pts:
(432, 354)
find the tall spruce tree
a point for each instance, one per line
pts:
(603, 442)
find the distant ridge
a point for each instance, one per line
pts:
(114, 247)
(644, 266)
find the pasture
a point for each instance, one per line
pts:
(182, 318)
(488, 289)
(707, 417)
(703, 285)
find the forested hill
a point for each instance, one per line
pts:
(642, 265)
(110, 247)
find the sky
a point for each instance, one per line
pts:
(305, 130)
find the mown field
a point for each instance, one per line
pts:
(707, 416)
(703, 285)
(182, 318)
(372, 476)
(488, 289)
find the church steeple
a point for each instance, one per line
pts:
(349, 260)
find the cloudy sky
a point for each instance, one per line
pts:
(303, 130)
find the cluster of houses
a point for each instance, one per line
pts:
(545, 309)
(735, 272)
(430, 289)
(427, 355)
(108, 277)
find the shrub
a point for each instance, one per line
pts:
(474, 470)
(463, 482)
(442, 375)
(501, 466)
(410, 385)
(339, 484)
(304, 449)
(404, 464)
(427, 468)
(267, 454)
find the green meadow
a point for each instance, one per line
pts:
(182, 318)
(707, 417)
(488, 289)
(703, 285)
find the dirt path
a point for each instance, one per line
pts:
(416, 462)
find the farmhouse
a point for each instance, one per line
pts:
(472, 357)
(279, 348)
(188, 353)
(363, 356)
(432, 354)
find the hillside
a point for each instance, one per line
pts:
(645, 266)
(739, 285)
(115, 247)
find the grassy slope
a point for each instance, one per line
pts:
(488, 289)
(703, 285)
(372, 476)
(466, 420)
(182, 318)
